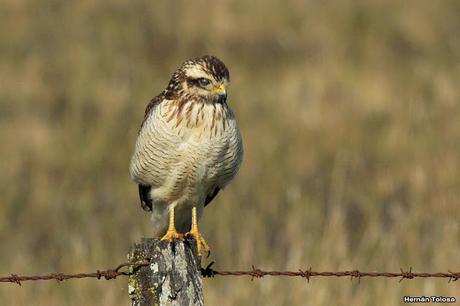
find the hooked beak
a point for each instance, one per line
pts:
(221, 92)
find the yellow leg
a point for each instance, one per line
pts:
(200, 242)
(172, 234)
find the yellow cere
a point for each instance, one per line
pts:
(220, 88)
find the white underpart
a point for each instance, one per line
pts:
(185, 160)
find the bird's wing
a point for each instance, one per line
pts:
(155, 101)
(146, 201)
(211, 196)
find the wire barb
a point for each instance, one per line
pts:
(15, 279)
(208, 271)
(453, 276)
(406, 274)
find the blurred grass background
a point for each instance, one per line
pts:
(350, 113)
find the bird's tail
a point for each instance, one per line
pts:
(146, 201)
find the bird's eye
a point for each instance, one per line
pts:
(204, 81)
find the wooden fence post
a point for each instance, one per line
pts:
(172, 278)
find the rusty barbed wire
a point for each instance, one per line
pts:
(257, 273)
(209, 272)
(106, 274)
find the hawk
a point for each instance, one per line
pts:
(188, 148)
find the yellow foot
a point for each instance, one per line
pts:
(200, 242)
(171, 235)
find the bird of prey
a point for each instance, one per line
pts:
(188, 148)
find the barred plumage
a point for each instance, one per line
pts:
(189, 146)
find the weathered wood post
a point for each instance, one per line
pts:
(172, 278)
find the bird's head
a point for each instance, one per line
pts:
(205, 78)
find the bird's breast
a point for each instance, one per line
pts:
(198, 120)
(211, 142)
(187, 150)
(208, 136)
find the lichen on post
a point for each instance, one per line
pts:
(172, 278)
